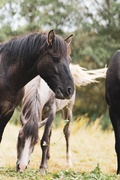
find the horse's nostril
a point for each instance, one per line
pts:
(69, 90)
(17, 167)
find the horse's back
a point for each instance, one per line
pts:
(113, 80)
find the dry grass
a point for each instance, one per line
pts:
(89, 147)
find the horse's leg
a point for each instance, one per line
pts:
(67, 114)
(115, 119)
(3, 122)
(48, 151)
(45, 143)
(5, 117)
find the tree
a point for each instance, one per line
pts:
(39, 15)
(95, 42)
(45, 14)
(95, 25)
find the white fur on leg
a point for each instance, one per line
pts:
(68, 157)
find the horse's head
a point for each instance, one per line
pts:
(27, 139)
(54, 65)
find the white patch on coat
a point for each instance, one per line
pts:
(23, 163)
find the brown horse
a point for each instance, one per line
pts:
(23, 58)
(39, 100)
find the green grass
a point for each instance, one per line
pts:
(30, 174)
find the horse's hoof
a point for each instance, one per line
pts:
(43, 171)
(69, 164)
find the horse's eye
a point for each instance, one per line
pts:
(56, 59)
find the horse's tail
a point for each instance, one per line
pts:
(31, 103)
(82, 76)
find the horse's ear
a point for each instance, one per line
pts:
(69, 39)
(51, 36)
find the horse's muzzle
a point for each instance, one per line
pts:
(20, 169)
(59, 94)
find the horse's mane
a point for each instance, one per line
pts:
(31, 130)
(31, 100)
(30, 46)
(31, 107)
(24, 47)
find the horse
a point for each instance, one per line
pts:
(23, 58)
(112, 96)
(39, 103)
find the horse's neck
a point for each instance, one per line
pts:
(17, 75)
(45, 92)
(27, 76)
(18, 60)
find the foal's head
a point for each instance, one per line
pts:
(54, 65)
(27, 139)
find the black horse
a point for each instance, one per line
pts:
(113, 100)
(23, 58)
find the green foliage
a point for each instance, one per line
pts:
(96, 174)
(72, 175)
(89, 100)
(95, 25)
(16, 116)
(94, 46)
(105, 122)
(43, 14)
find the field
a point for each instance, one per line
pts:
(93, 155)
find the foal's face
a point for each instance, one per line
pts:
(54, 66)
(25, 147)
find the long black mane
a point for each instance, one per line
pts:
(29, 47)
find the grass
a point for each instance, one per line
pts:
(93, 155)
(96, 174)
